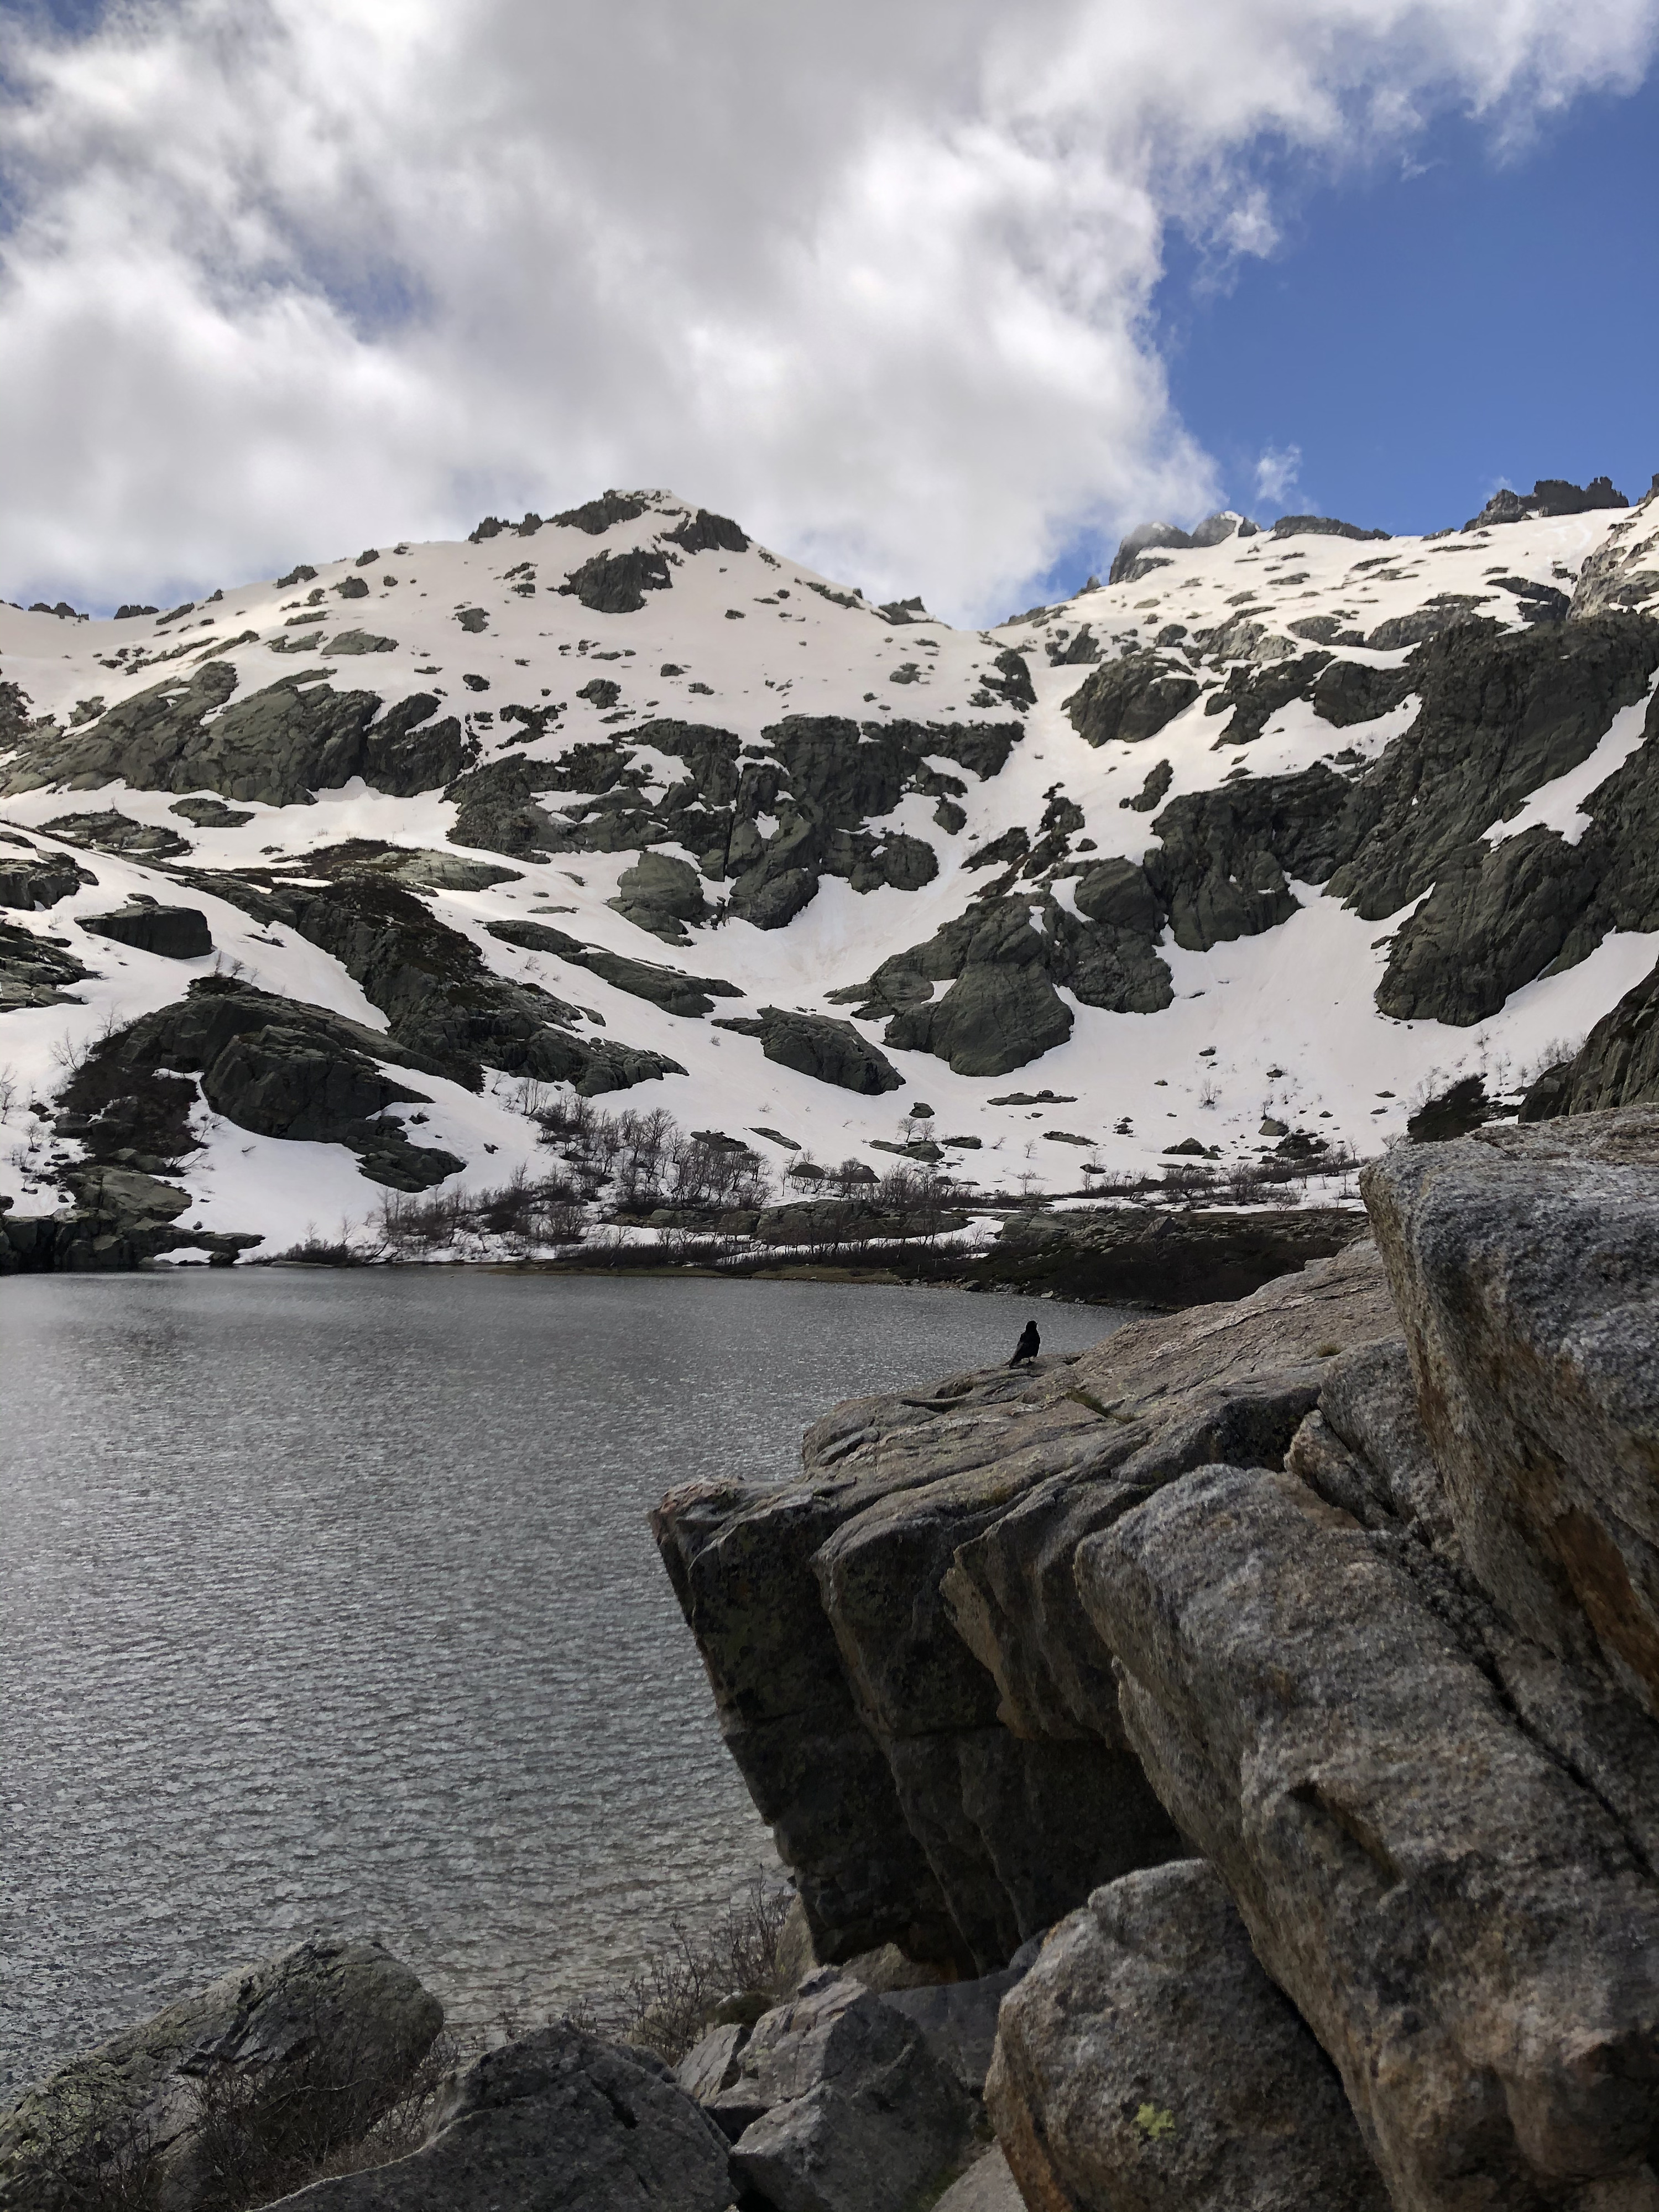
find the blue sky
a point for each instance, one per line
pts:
(283, 277)
(1424, 337)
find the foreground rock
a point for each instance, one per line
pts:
(855, 2111)
(1146, 2060)
(901, 1664)
(286, 2062)
(557, 2123)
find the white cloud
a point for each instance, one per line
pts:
(1276, 473)
(287, 276)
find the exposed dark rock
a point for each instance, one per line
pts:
(115, 832)
(279, 745)
(1256, 695)
(1001, 1011)
(1146, 537)
(444, 1005)
(331, 2031)
(1131, 699)
(496, 811)
(30, 880)
(210, 813)
(596, 516)
(1454, 1112)
(176, 933)
(704, 532)
(557, 2123)
(361, 641)
(1549, 496)
(1146, 2060)
(1321, 526)
(1151, 793)
(671, 988)
(1011, 684)
(1623, 572)
(616, 583)
(1150, 1256)
(1617, 1064)
(661, 893)
(34, 970)
(829, 1051)
(1445, 611)
(1224, 866)
(352, 587)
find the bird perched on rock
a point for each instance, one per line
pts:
(1028, 1346)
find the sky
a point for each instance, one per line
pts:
(940, 297)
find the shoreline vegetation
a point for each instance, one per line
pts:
(633, 1194)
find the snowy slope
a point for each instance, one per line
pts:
(1282, 1023)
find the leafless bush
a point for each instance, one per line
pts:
(668, 2004)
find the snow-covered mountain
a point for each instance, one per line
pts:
(1290, 826)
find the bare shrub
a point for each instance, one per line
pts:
(667, 2005)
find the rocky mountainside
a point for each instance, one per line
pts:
(1289, 1669)
(311, 887)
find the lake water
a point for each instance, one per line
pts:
(327, 1602)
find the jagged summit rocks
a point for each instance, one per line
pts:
(1290, 824)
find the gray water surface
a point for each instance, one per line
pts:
(327, 1602)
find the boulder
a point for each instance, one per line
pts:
(859, 2116)
(616, 583)
(304, 2052)
(661, 893)
(902, 1670)
(1130, 700)
(1525, 1266)
(176, 933)
(827, 1050)
(1471, 1932)
(557, 2123)
(988, 2187)
(33, 972)
(29, 880)
(1146, 2060)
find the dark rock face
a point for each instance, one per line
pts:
(1147, 2060)
(1432, 619)
(210, 813)
(1131, 699)
(30, 880)
(671, 988)
(279, 745)
(1617, 1064)
(616, 583)
(1256, 695)
(34, 972)
(286, 1070)
(1146, 537)
(1000, 1011)
(557, 2123)
(1549, 496)
(112, 831)
(704, 532)
(829, 1051)
(1224, 866)
(176, 933)
(1147, 1256)
(661, 893)
(596, 516)
(1321, 526)
(496, 811)
(332, 2029)
(898, 1657)
(445, 1008)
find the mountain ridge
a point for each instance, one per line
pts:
(1281, 828)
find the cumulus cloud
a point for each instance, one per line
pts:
(286, 276)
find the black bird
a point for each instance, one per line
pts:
(1028, 1346)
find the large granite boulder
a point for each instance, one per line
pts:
(176, 933)
(557, 2123)
(829, 1051)
(901, 1668)
(859, 2114)
(1525, 1266)
(661, 893)
(1146, 2060)
(31, 879)
(305, 2052)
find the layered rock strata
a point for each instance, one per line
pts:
(1360, 1576)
